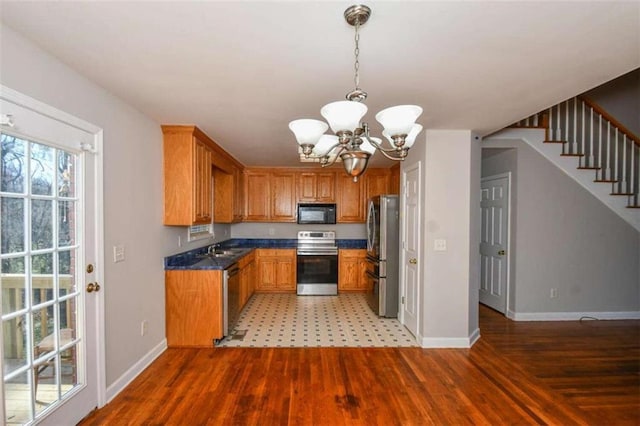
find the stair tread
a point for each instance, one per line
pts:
(572, 155)
(555, 141)
(589, 168)
(634, 207)
(605, 181)
(628, 194)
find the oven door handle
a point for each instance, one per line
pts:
(316, 253)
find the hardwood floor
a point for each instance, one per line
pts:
(518, 373)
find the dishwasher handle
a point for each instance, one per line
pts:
(234, 270)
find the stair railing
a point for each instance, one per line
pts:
(598, 140)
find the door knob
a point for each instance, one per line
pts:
(413, 261)
(91, 287)
(501, 252)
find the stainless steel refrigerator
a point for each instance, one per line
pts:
(383, 235)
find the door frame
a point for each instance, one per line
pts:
(402, 258)
(507, 310)
(42, 108)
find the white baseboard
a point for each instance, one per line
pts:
(135, 370)
(572, 316)
(450, 342)
(510, 314)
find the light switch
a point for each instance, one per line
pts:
(118, 253)
(440, 245)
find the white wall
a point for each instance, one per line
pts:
(565, 238)
(451, 212)
(133, 289)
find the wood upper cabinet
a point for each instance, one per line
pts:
(350, 199)
(352, 265)
(283, 197)
(317, 187)
(187, 176)
(257, 196)
(271, 196)
(194, 311)
(394, 180)
(376, 182)
(276, 270)
(228, 195)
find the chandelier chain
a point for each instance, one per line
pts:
(356, 78)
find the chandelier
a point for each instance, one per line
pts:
(351, 141)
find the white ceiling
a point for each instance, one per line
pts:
(242, 70)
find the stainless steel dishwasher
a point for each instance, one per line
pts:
(231, 297)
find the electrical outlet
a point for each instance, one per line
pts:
(144, 326)
(272, 231)
(554, 293)
(179, 240)
(440, 245)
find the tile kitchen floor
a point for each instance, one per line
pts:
(287, 320)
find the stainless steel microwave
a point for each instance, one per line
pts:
(316, 213)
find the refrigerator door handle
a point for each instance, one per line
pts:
(373, 276)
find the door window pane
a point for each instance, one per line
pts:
(12, 225)
(13, 284)
(14, 343)
(13, 170)
(41, 224)
(42, 169)
(66, 269)
(66, 174)
(17, 395)
(66, 223)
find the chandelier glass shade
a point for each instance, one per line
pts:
(351, 141)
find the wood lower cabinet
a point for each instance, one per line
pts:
(247, 273)
(352, 266)
(276, 270)
(194, 310)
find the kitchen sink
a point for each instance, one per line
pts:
(223, 253)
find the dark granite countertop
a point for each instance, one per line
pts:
(198, 258)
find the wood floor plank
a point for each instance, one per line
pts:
(567, 373)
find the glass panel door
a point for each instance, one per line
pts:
(39, 266)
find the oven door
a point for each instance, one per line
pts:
(317, 268)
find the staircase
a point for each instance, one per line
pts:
(591, 146)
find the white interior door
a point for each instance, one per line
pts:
(494, 252)
(410, 248)
(49, 192)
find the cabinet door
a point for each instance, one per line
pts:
(283, 197)
(377, 182)
(286, 271)
(307, 182)
(351, 270)
(326, 187)
(238, 194)
(202, 179)
(223, 189)
(258, 194)
(350, 200)
(267, 273)
(394, 180)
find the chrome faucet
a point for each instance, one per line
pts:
(214, 248)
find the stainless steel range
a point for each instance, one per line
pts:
(317, 263)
